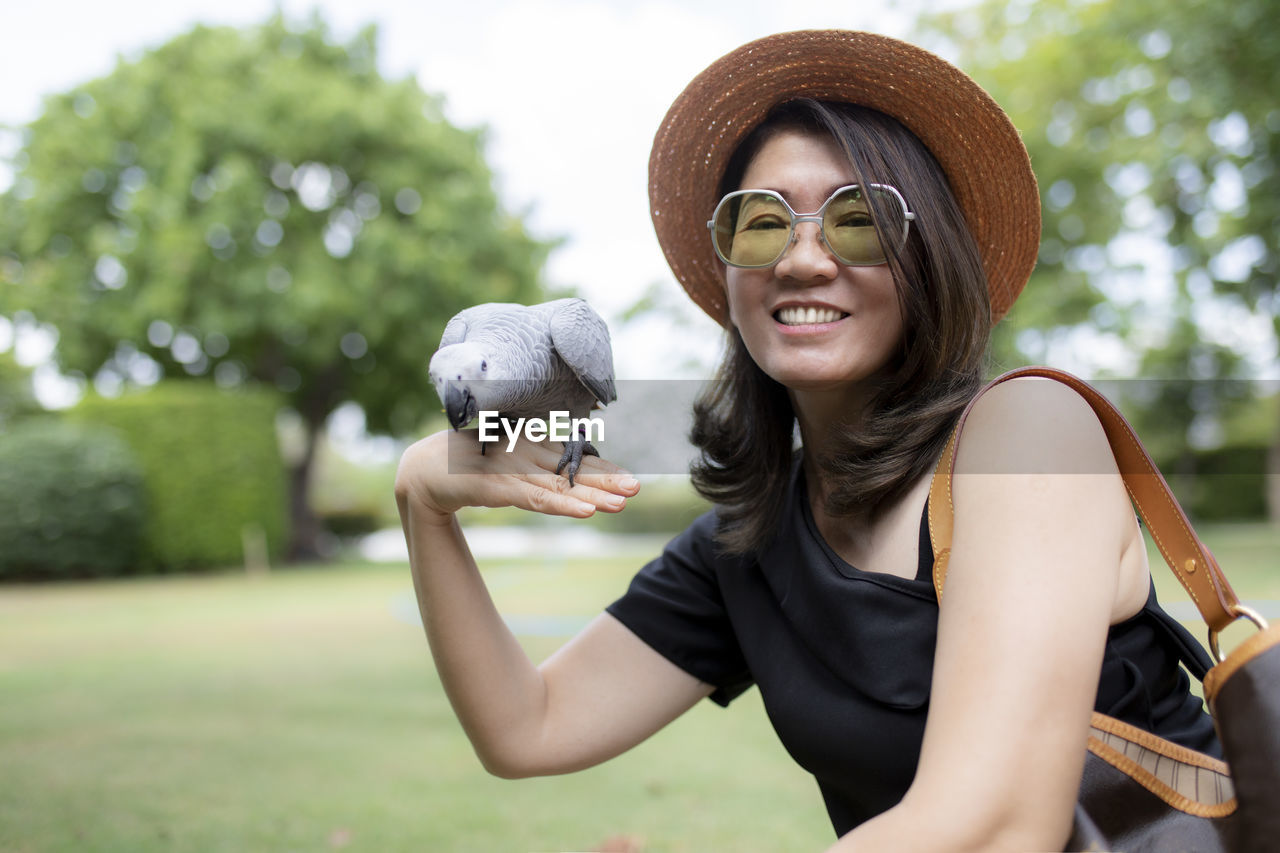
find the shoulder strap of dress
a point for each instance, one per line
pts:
(1185, 554)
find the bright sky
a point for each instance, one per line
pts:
(572, 91)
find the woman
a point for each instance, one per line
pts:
(871, 212)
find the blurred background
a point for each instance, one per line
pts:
(230, 236)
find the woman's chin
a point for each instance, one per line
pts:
(810, 382)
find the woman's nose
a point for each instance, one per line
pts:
(807, 257)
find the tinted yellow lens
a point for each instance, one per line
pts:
(752, 229)
(849, 230)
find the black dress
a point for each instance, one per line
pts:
(844, 658)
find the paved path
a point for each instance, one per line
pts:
(497, 542)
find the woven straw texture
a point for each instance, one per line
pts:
(971, 137)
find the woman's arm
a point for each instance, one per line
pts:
(1042, 521)
(605, 691)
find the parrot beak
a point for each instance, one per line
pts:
(459, 406)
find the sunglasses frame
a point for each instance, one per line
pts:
(907, 218)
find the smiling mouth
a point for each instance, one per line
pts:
(797, 316)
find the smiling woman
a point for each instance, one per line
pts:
(856, 213)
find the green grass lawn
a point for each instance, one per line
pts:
(299, 711)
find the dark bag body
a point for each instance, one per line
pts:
(1141, 793)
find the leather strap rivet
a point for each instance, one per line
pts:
(1190, 565)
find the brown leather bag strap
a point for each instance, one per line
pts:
(1186, 555)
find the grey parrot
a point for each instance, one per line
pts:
(526, 361)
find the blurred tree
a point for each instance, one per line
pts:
(1154, 130)
(17, 395)
(258, 205)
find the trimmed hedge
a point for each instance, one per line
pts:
(211, 465)
(1228, 484)
(72, 502)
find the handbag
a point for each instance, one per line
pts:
(1140, 792)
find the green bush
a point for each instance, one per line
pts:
(349, 524)
(1224, 484)
(71, 502)
(211, 465)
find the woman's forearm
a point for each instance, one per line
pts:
(957, 826)
(494, 688)
(503, 701)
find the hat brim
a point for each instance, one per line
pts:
(972, 139)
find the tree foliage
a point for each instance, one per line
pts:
(260, 206)
(1154, 131)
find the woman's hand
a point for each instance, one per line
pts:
(446, 471)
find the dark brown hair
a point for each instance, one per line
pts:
(744, 424)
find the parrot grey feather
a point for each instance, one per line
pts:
(582, 339)
(455, 331)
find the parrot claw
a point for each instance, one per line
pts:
(571, 459)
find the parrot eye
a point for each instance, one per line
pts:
(484, 365)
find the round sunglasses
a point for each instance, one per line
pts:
(753, 228)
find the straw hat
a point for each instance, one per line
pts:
(966, 131)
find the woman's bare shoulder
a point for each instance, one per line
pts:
(1033, 425)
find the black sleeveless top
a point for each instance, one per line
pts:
(844, 658)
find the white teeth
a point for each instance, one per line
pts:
(797, 316)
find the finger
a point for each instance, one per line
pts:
(601, 499)
(568, 499)
(552, 502)
(535, 463)
(597, 465)
(603, 490)
(592, 470)
(617, 481)
(600, 465)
